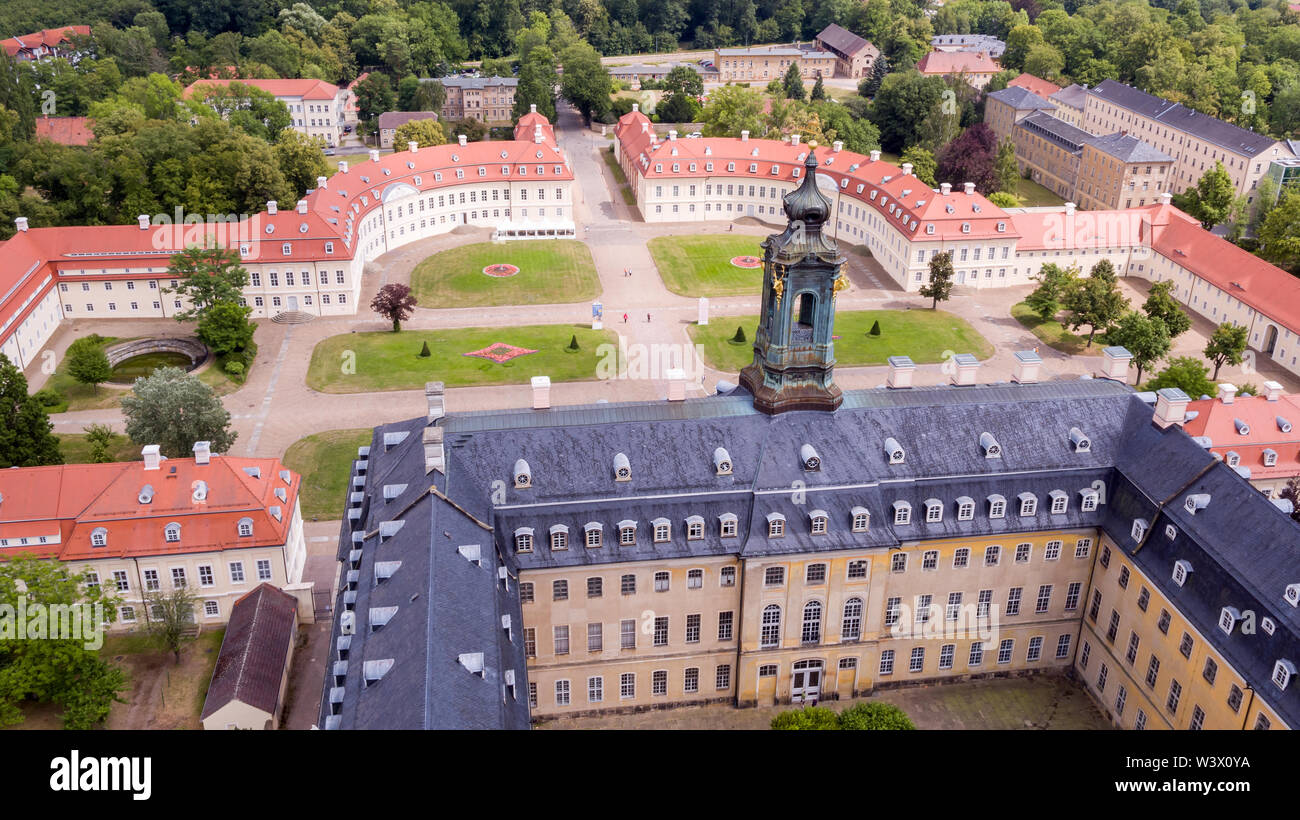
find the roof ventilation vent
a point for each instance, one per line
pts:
(894, 451)
(1283, 425)
(473, 661)
(1196, 502)
(374, 671)
(811, 461)
(722, 461)
(146, 494)
(472, 553)
(1242, 427)
(1080, 441)
(622, 468)
(523, 475)
(990, 446)
(200, 491)
(391, 491)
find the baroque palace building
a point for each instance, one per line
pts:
(307, 259)
(785, 541)
(904, 224)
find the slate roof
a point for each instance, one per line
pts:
(1176, 115)
(1072, 95)
(392, 119)
(1128, 148)
(478, 82)
(1058, 131)
(1021, 99)
(254, 651)
(844, 41)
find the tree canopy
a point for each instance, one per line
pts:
(173, 409)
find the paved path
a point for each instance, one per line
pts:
(275, 407)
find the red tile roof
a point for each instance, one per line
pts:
(254, 651)
(955, 62)
(1218, 421)
(47, 37)
(65, 130)
(307, 89)
(1037, 85)
(77, 499)
(526, 128)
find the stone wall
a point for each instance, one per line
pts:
(186, 346)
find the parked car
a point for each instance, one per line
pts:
(329, 152)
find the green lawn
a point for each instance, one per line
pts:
(1052, 333)
(76, 449)
(325, 462)
(550, 271)
(391, 361)
(624, 189)
(701, 265)
(922, 334)
(1032, 195)
(351, 159)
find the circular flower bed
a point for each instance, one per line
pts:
(501, 270)
(747, 261)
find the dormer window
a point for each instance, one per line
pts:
(622, 468)
(861, 519)
(245, 527)
(559, 537)
(997, 506)
(902, 512)
(523, 475)
(809, 458)
(727, 525)
(593, 534)
(694, 528)
(1231, 458)
(663, 530)
(990, 446)
(965, 227)
(626, 533)
(722, 461)
(819, 521)
(1139, 529)
(172, 532)
(933, 510)
(1228, 617)
(1171, 532)
(1002, 227)
(99, 537)
(929, 228)
(965, 508)
(1292, 594)
(1268, 625)
(1059, 501)
(524, 539)
(1088, 500)
(1181, 570)
(775, 525)
(1196, 502)
(1028, 504)
(1282, 672)
(894, 451)
(1270, 457)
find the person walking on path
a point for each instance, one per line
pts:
(624, 318)
(647, 317)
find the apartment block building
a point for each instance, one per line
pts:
(763, 64)
(213, 524)
(486, 99)
(316, 108)
(784, 541)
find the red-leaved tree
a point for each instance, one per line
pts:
(972, 157)
(395, 303)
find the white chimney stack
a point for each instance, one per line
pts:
(1227, 392)
(1171, 407)
(967, 365)
(1166, 198)
(875, 156)
(1069, 208)
(744, 136)
(21, 223)
(837, 146)
(541, 392)
(462, 139)
(970, 188)
(343, 166)
(143, 219)
(434, 455)
(322, 182)
(413, 146)
(152, 456)
(907, 169)
(1272, 390)
(538, 135)
(532, 108)
(202, 452)
(302, 206)
(901, 369)
(636, 106)
(794, 139)
(374, 155)
(945, 188)
(676, 384)
(672, 134)
(272, 207)
(1114, 364)
(434, 397)
(1027, 364)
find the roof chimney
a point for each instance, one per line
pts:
(676, 384)
(202, 452)
(343, 166)
(532, 108)
(434, 397)
(875, 156)
(1227, 392)
(1114, 364)
(672, 133)
(966, 364)
(538, 136)
(434, 455)
(744, 136)
(272, 207)
(21, 223)
(945, 188)
(970, 188)
(462, 139)
(152, 456)
(1069, 208)
(413, 146)
(645, 126)
(302, 206)
(541, 392)
(837, 146)
(794, 139)
(1272, 390)
(907, 169)
(1166, 198)
(636, 106)
(322, 182)
(1171, 407)
(374, 155)
(901, 369)
(143, 219)
(1027, 364)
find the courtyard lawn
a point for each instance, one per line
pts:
(550, 271)
(76, 449)
(1052, 333)
(351, 159)
(324, 461)
(701, 265)
(391, 361)
(1033, 195)
(922, 334)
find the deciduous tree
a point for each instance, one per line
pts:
(422, 132)
(1161, 304)
(87, 363)
(394, 302)
(586, 81)
(923, 164)
(1095, 301)
(972, 157)
(1187, 373)
(206, 277)
(171, 619)
(225, 328)
(939, 287)
(173, 409)
(26, 437)
(1227, 345)
(1144, 337)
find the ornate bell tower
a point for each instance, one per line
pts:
(802, 271)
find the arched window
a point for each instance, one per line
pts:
(99, 538)
(812, 622)
(172, 532)
(245, 527)
(852, 628)
(771, 633)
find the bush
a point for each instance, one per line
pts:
(573, 344)
(875, 328)
(808, 718)
(875, 716)
(234, 368)
(424, 351)
(1247, 389)
(739, 338)
(47, 397)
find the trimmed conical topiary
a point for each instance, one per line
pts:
(739, 338)
(573, 342)
(424, 351)
(875, 328)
